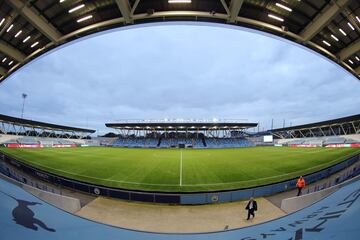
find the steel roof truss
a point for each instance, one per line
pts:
(125, 9)
(31, 15)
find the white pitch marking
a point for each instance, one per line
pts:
(181, 167)
(159, 184)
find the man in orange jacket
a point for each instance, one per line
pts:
(300, 184)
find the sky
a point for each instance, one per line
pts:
(181, 71)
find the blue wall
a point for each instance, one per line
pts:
(335, 217)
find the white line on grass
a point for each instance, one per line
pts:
(181, 167)
(173, 185)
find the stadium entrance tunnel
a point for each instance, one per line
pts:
(8, 162)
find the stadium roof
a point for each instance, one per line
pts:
(43, 125)
(181, 125)
(337, 121)
(29, 29)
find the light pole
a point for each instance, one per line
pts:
(24, 95)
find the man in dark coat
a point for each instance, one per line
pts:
(251, 207)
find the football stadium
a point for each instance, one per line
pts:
(182, 156)
(171, 160)
(181, 178)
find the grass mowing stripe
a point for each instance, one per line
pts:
(91, 177)
(181, 157)
(203, 169)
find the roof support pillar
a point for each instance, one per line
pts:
(301, 134)
(312, 132)
(234, 8)
(342, 128)
(322, 132)
(125, 9)
(332, 130)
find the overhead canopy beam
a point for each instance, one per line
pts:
(323, 19)
(235, 6)
(125, 9)
(9, 21)
(357, 70)
(352, 18)
(11, 51)
(2, 71)
(256, 24)
(36, 20)
(134, 7)
(349, 50)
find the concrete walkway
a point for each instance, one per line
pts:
(187, 219)
(177, 219)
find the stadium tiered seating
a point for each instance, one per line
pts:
(321, 141)
(135, 142)
(8, 139)
(197, 143)
(165, 142)
(300, 141)
(211, 142)
(121, 142)
(106, 141)
(168, 142)
(28, 140)
(46, 142)
(65, 142)
(151, 142)
(314, 141)
(11, 141)
(334, 140)
(349, 140)
(228, 142)
(174, 142)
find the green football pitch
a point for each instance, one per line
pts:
(174, 170)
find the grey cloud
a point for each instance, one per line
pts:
(181, 72)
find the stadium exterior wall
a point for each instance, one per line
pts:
(173, 198)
